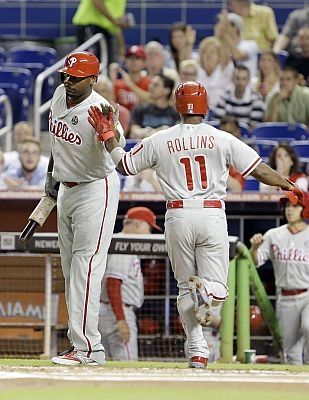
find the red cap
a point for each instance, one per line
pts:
(143, 214)
(136, 51)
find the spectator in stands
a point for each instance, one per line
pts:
(228, 30)
(288, 38)
(285, 161)
(21, 130)
(30, 172)
(242, 102)
(259, 22)
(267, 81)
(104, 87)
(216, 69)
(145, 181)
(158, 114)
(132, 84)
(300, 59)
(106, 17)
(181, 42)
(2, 183)
(188, 70)
(235, 181)
(155, 61)
(291, 103)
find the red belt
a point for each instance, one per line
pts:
(206, 204)
(70, 184)
(292, 292)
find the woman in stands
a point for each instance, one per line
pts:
(267, 81)
(216, 69)
(181, 41)
(285, 161)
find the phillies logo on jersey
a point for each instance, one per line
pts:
(61, 130)
(71, 61)
(290, 254)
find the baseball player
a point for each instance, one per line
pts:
(123, 292)
(288, 249)
(86, 205)
(192, 161)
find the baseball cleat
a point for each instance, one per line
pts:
(73, 358)
(202, 301)
(198, 362)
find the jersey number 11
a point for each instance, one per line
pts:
(201, 161)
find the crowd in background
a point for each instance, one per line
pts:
(247, 79)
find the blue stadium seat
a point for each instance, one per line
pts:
(301, 147)
(280, 131)
(18, 85)
(265, 147)
(251, 184)
(33, 54)
(28, 56)
(2, 55)
(2, 110)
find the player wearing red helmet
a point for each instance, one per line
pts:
(192, 164)
(87, 202)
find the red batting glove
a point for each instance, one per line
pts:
(294, 195)
(103, 125)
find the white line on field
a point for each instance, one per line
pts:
(166, 376)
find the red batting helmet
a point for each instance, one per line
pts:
(304, 203)
(191, 98)
(81, 64)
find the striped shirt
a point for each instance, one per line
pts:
(249, 109)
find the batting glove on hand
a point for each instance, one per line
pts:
(295, 195)
(103, 124)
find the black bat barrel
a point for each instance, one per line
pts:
(29, 231)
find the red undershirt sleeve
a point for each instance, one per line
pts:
(113, 287)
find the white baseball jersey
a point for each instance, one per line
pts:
(191, 161)
(76, 150)
(127, 268)
(289, 253)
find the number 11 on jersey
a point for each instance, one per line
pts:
(200, 160)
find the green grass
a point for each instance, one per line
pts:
(155, 392)
(160, 365)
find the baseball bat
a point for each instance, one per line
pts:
(37, 218)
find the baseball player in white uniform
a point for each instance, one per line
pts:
(192, 161)
(86, 205)
(123, 292)
(288, 249)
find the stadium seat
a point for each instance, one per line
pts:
(33, 54)
(30, 57)
(2, 55)
(301, 147)
(2, 110)
(280, 131)
(265, 147)
(18, 86)
(251, 184)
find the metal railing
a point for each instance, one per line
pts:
(38, 107)
(7, 129)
